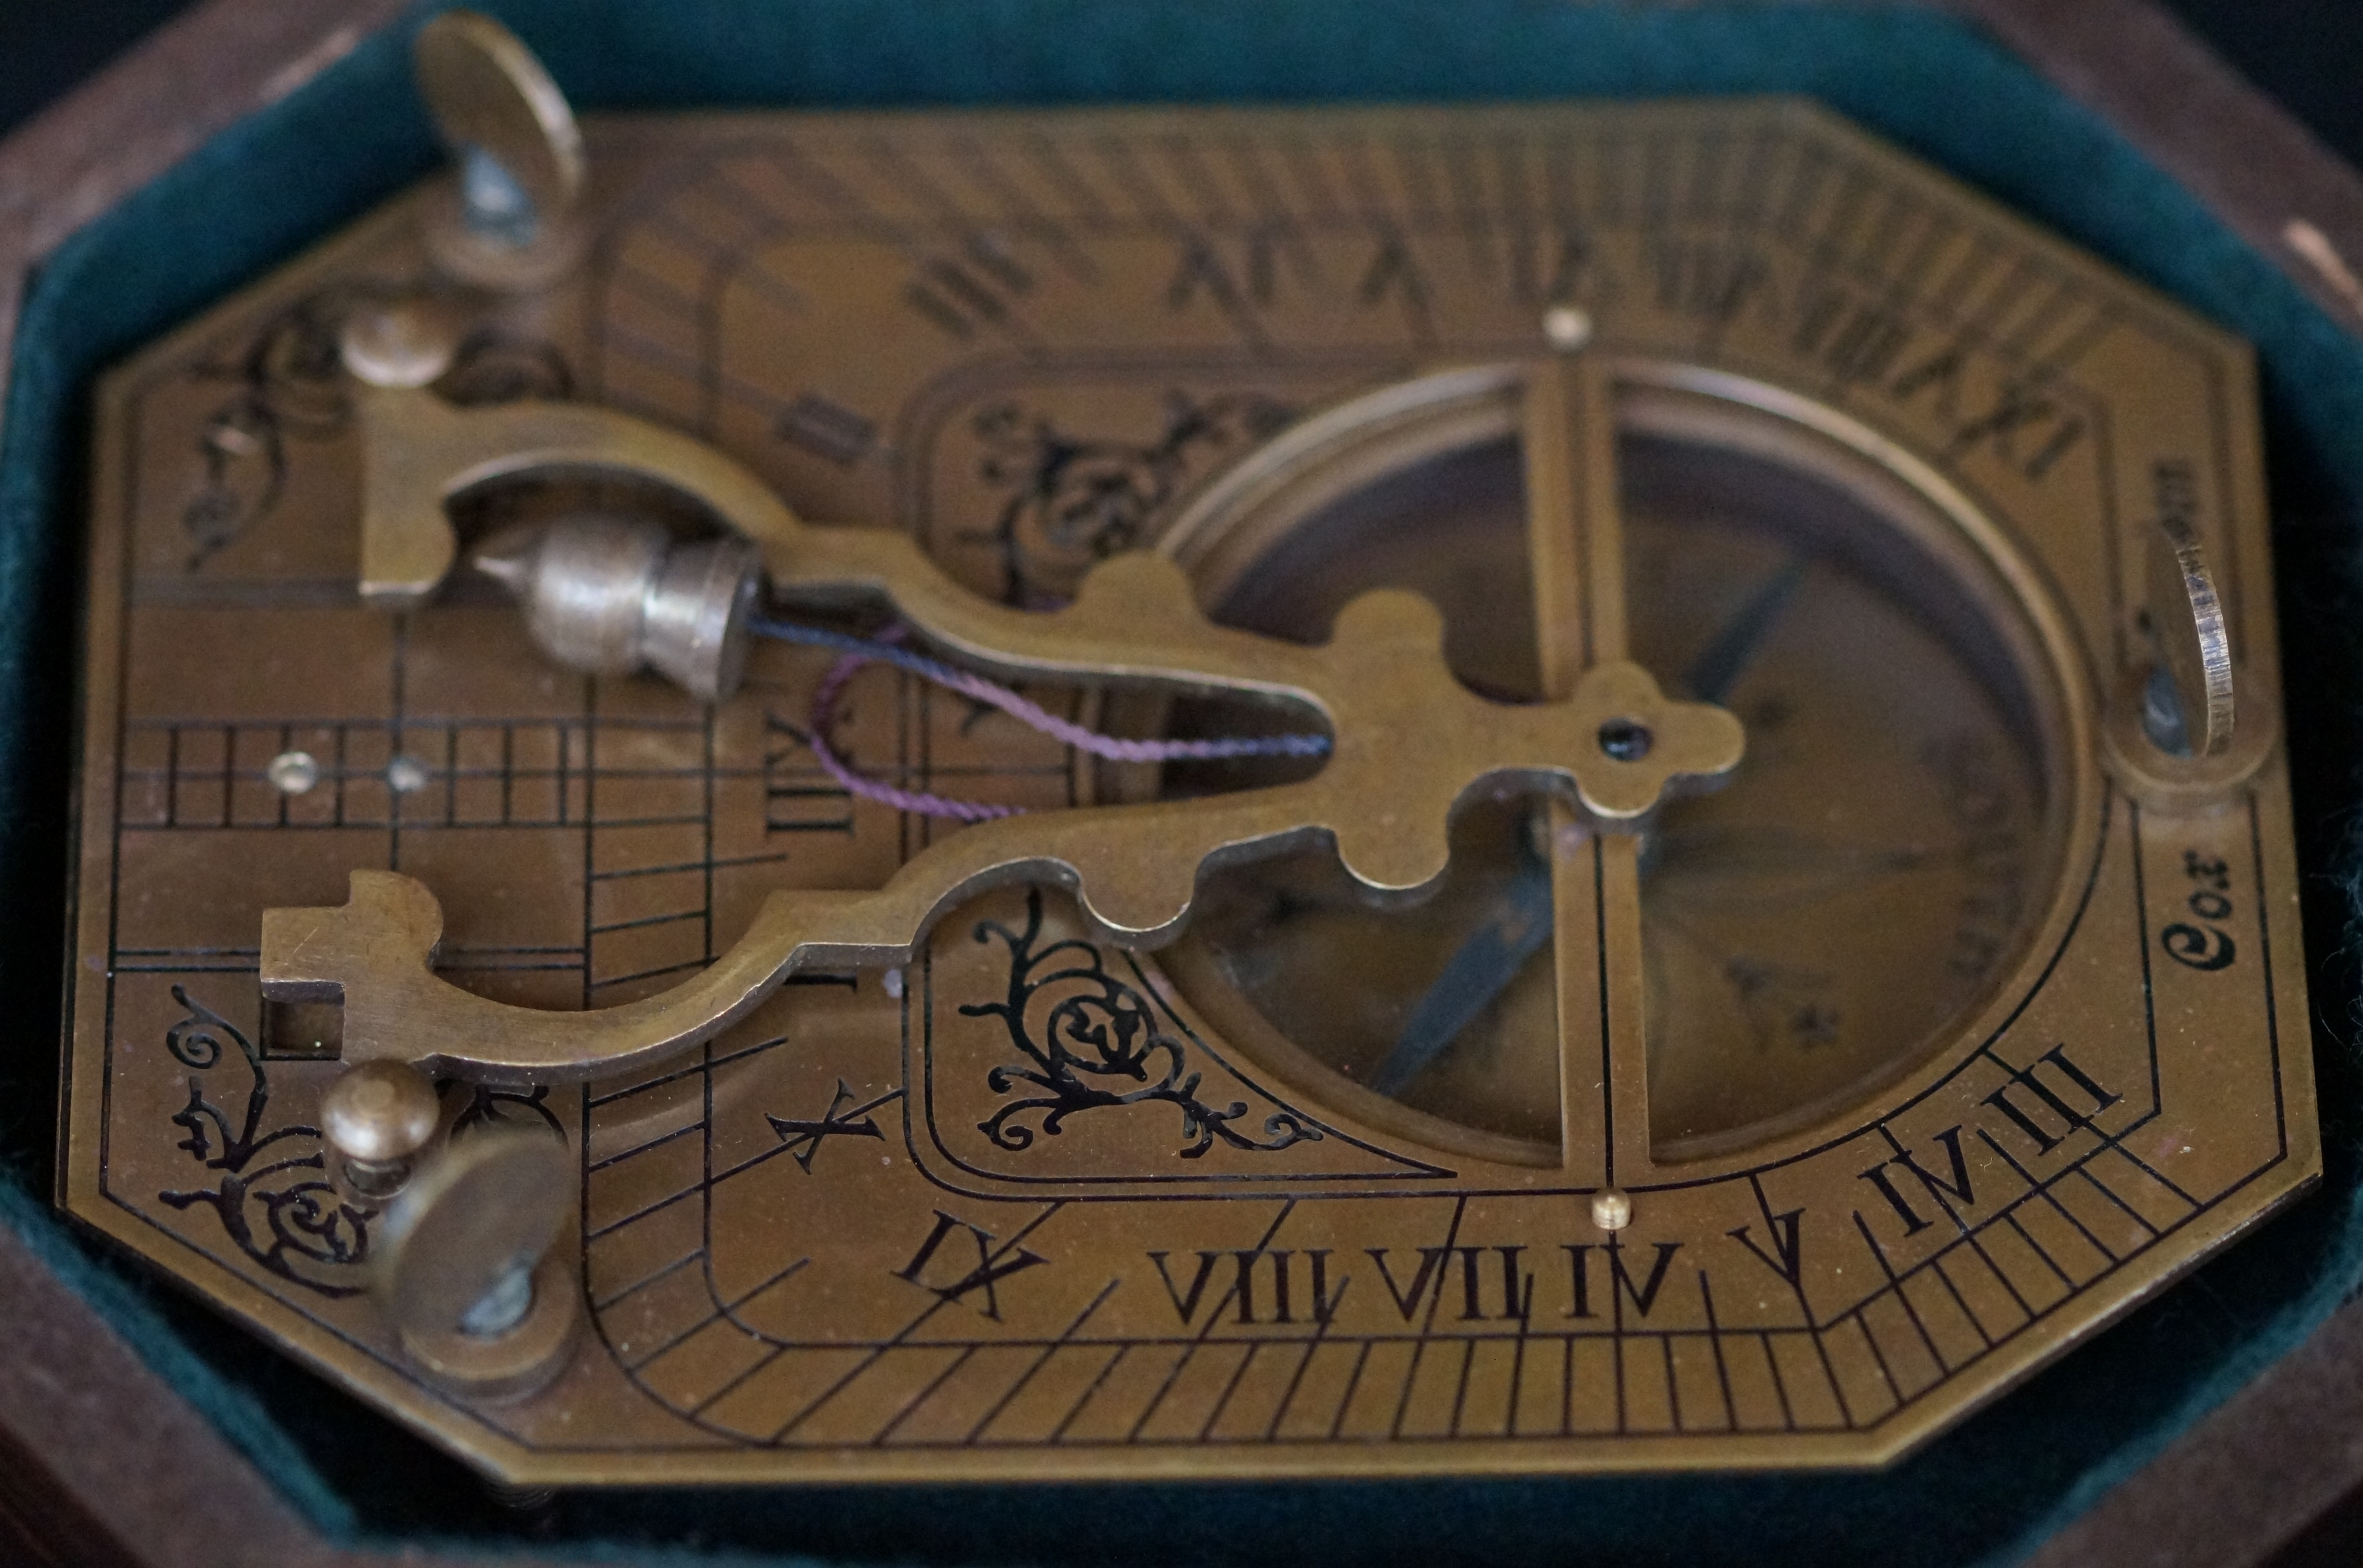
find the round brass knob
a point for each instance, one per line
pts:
(377, 1116)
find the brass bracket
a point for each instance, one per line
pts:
(1409, 742)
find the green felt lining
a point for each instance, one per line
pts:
(1985, 1492)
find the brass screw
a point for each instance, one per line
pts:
(1567, 328)
(406, 344)
(378, 1116)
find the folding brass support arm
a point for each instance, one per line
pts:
(1409, 742)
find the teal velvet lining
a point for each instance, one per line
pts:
(1985, 1492)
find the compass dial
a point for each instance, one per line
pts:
(1810, 931)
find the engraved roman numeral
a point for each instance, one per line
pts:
(1643, 1297)
(1394, 274)
(971, 293)
(1552, 268)
(1786, 1255)
(2028, 1081)
(1852, 341)
(1493, 1284)
(1711, 282)
(1958, 1186)
(991, 1265)
(1408, 1302)
(804, 1138)
(1201, 273)
(2022, 426)
(1279, 1275)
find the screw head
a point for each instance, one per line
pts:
(1610, 1210)
(402, 345)
(292, 772)
(406, 775)
(1566, 328)
(1626, 740)
(379, 1112)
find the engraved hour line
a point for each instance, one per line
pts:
(1199, 1339)
(838, 1119)
(2046, 1190)
(1230, 1386)
(717, 193)
(626, 276)
(731, 260)
(1020, 210)
(1807, 177)
(899, 169)
(1707, 186)
(695, 1252)
(697, 370)
(1426, 1327)
(723, 1311)
(1276, 225)
(596, 1101)
(1410, 157)
(1968, 1238)
(1722, 1369)
(880, 1349)
(1647, 158)
(1190, 171)
(915, 1401)
(1043, 1354)
(1047, 157)
(1296, 1378)
(1904, 1298)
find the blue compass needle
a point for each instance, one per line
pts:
(1484, 964)
(1481, 968)
(1717, 670)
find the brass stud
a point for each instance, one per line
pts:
(378, 1116)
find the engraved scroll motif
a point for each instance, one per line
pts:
(1095, 1034)
(289, 384)
(1076, 500)
(274, 1196)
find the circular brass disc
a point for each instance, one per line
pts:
(486, 90)
(493, 1201)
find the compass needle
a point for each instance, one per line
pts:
(1722, 661)
(1520, 922)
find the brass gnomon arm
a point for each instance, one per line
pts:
(1408, 741)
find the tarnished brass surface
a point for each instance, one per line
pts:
(1409, 744)
(1959, 1022)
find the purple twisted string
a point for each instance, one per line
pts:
(857, 652)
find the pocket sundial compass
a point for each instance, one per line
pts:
(1355, 791)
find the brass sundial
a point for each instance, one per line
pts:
(1750, 902)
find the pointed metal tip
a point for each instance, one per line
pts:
(507, 557)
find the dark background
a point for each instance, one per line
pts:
(2308, 54)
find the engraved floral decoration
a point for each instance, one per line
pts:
(1076, 500)
(272, 1194)
(1086, 1035)
(506, 1108)
(287, 385)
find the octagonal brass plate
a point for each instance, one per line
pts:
(1963, 1034)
